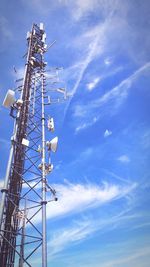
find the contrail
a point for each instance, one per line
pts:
(85, 64)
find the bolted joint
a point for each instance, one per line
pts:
(4, 190)
(43, 202)
(12, 140)
(42, 119)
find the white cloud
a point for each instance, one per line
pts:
(135, 255)
(90, 195)
(77, 197)
(124, 159)
(107, 133)
(89, 56)
(92, 85)
(115, 96)
(79, 111)
(118, 177)
(120, 92)
(83, 66)
(62, 238)
(80, 9)
(83, 126)
(108, 61)
(74, 198)
(80, 231)
(95, 39)
(84, 228)
(91, 45)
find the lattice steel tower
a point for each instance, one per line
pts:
(24, 196)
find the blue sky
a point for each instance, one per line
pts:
(101, 168)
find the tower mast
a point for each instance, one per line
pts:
(29, 164)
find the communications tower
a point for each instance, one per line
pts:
(26, 190)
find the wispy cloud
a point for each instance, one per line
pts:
(89, 57)
(114, 97)
(71, 235)
(124, 159)
(131, 258)
(74, 198)
(108, 61)
(117, 177)
(83, 66)
(93, 84)
(77, 198)
(91, 44)
(84, 228)
(82, 9)
(121, 90)
(85, 125)
(113, 254)
(107, 133)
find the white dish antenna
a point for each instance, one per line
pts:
(52, 145)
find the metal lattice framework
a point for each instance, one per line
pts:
(24, 195)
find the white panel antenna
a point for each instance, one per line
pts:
(25, 142)
(9, 99)
(28, 35)
(50, 124)
(41, 26)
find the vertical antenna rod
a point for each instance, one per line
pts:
(44, 202)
